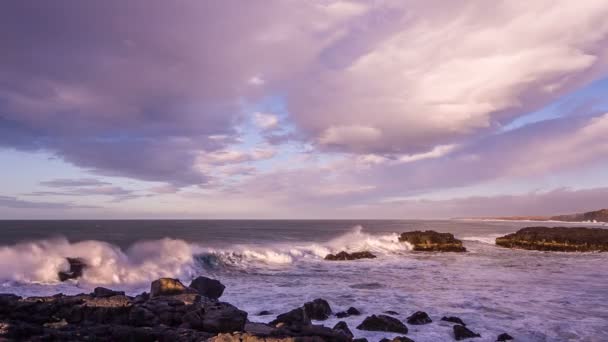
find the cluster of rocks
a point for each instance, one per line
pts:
(432, 241)
(172, 311)
(559, 239)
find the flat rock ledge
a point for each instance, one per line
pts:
(558, 239)
(343, 256)
(432, 241)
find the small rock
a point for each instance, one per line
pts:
(504, 337)
(264, 313)
(419, 318)
(208, 287)
(77, 266)
(343, 256)
(350, 312)
(296, 317)
(453, 319)
(461, 332)
(167, 287)
(318, 309)
(391, 312)
(343, 328)
(397, 339)
(383, 323)
(102, 292)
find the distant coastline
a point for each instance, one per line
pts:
(597, 216)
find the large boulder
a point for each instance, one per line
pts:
(560, 239)
(342, 327)
(461, 332)
(216, 317)
(318, 309)
(342, 256)
(419, 318)
(208, 287)
(383, 323)
(168, 287)
(76, 267)
(432, 241)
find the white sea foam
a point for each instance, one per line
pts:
(488, 239)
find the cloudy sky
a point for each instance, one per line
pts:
(302, 109)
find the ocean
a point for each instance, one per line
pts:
(278, 265)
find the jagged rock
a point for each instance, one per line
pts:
(103, 292)
(391, 312)
(208, 287)
(453, 319)
(432, 241)
(343, 328)
(342, 256)
(504, 337)
(383, 323)
(216, 317)
(560, 239)
(397, 339)
(318, 309)
(350, 312)
(295, 317)
(168, 287)
(461, 332)
(419, 318)
(75, 270)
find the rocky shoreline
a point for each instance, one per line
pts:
(172, 311)
(558, 239)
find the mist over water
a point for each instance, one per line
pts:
(278, 265)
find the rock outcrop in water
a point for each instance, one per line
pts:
(76, 267)
(432, 241)
(383, 323)
(343, 256)
(560, 239)
(461, 333)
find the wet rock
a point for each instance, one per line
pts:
(264, 313)
(208, 287)
(102, 292)
(559, 239)
(391, 312)
(461, 332)
(419, 318)
(397, 339)
(342, 256)
(504, 337)
(216, 317)
(350, 312)
(296, 317)
(318, 309)
(168, 287)
(432, 241)
(383, 323)
(76, 267)
(343, 328)
(453, 319)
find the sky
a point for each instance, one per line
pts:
(302, 109)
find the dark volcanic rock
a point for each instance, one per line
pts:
(560, 239)
(208, 287)
(349, 256)
(216, 317)
(453, 319)
(504, 337)
(318, 309)
(264, 313)
(397, 339)
(432, 241)
(75, 270)
(391, 312)
(419, 318)
(343, 328)
(461, 332)
(295, 317)
(103, 292)
(383, 323)
(350, 312)
(168, 287)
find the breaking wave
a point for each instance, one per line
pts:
(40, 261)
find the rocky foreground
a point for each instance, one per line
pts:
(174, 312)
(558, 239)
